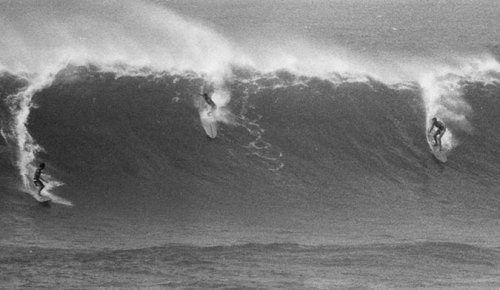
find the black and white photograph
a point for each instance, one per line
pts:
(250, 144)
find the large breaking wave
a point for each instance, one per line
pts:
(111, 104)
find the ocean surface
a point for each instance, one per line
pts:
(320, 176)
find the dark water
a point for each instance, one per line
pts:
(320, 176)
(257, 266)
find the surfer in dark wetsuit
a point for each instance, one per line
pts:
(209, 100)
(37, 179)
(441, 129)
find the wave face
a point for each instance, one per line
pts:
(288, 146)
(317, 142)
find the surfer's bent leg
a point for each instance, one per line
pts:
(435, 138)
(40, 185)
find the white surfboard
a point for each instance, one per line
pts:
(439, 154)
(42, 198)
(209, 122)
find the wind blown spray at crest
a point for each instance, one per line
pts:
(133, 33)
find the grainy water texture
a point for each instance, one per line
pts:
(320, 176)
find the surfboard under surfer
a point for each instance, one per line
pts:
(440, 130)
(37, 178)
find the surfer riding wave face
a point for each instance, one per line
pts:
(37, 178)
(440, 130)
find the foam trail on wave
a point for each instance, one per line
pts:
(26, 147)
(51, 184)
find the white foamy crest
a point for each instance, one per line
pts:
(302, 58)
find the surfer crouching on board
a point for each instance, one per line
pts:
(37, 179)
(441, 129)
(209, 100)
